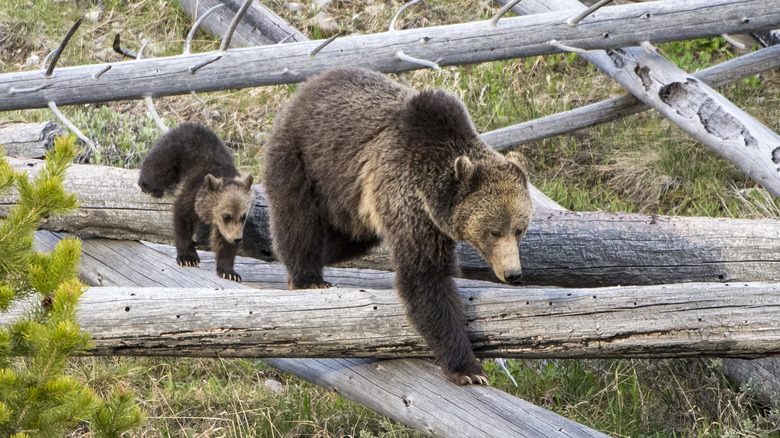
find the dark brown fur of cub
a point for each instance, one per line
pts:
(355, 157)
(192, 160)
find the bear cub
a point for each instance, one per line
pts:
(355, 157)
(192, 160)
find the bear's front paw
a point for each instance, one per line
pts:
(291, 285)
(189, 260)
(474, 376)
(229, 275)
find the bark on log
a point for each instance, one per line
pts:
(454, 44)
(626, 105)
(680, 320)
(696, 108)
(562, 248)
(258, 26)
(28, 140)
(409, 390)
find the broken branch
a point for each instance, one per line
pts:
(61, 48)
(229, 34)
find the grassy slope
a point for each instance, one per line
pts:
(640, 164)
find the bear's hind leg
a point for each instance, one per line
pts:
(297, 226)
(184, 221)
(340, 247)
(424, 271)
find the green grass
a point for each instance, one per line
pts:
(640, 164)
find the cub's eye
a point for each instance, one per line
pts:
(519, 232)
(243, 217)
(495, 233)
(226, 217)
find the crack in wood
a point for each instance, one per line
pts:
(691, 101)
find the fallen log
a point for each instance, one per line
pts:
(561, 248)
(258, 26)
(514, 37)
(618, 107)
(679, 320)
(28, 140)
(409, 390)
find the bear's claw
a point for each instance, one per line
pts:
(230, 275)
(188, 260)
(471, 378)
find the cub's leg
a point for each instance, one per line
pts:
(425, 265)
(184, 221)
(297, 228)
(225, 254)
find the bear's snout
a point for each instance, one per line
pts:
(513, 276)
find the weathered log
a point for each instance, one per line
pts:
(409, 390)
(696, 108)
(28, 140)
(562, 248)
(259, 25)
(453, 44)
(679, 320)
(626, 105)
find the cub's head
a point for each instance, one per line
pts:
(225, 203)
(496, 210)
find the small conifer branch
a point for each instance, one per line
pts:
(566, 48)
(97, 75)
(121, 50)
(197, 67)
(401, 56)
(502, 11)
(71, 126)
(188, 41)
(233, 24)
(732, 41)
(153, 111)
(573, 21)
(398, 14)
(325, 43)
(61, 48)
(28, 90)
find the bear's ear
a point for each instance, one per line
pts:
(464, 169)
(212, 183)
(519, 160)
(246, 183)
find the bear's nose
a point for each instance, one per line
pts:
(237, 240)
(512, 276)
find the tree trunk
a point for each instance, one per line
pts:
(680, 320)
(513, 37)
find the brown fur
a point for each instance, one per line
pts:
(192, 159)
(355, 157)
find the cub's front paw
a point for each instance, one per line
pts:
(189, 259)
(229, 275)
(475, 375)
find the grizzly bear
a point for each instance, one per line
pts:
(193, 160)
(355, 157)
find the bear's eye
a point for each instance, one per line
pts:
(495, 233)
(226, 217)
(243, 217)
(519, 232)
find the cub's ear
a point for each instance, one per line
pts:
(212, 183)
(247, 182)
(520, 162)
(464, 169)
